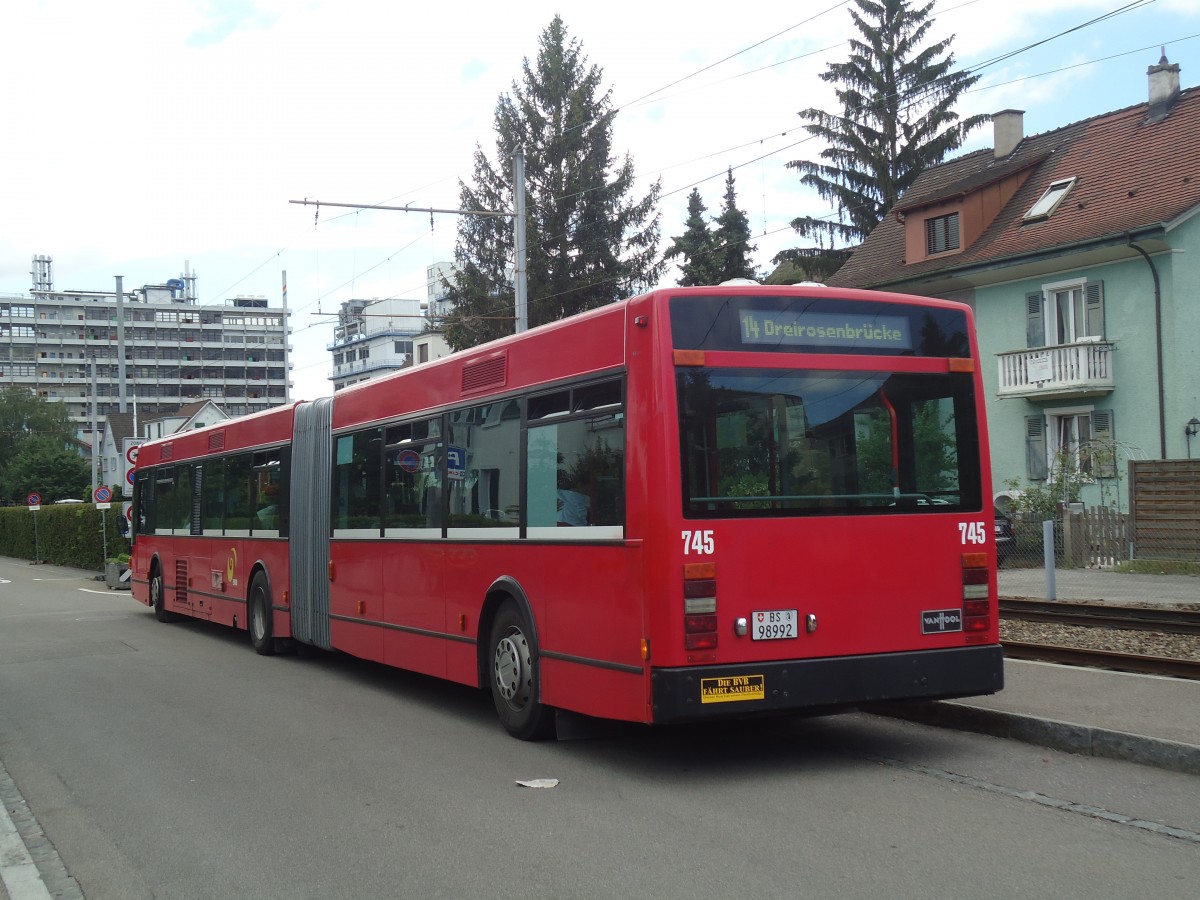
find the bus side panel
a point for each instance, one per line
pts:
(356, 597)
(413, 604)
(594, 691)
(589, 603)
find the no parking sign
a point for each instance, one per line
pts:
(131, 455)
(102, 496)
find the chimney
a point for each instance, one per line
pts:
(1164, 88)
(1009, 129)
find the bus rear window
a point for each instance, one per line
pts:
(771, 442)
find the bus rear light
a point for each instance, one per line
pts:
(977, 604)
(700, 632)
(975, 608)
(698, 605)
(706, 588)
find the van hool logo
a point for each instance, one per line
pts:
(936, 621)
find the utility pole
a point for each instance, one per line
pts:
(287, 367)
(519, 264)
(520, 285)
(95, 428)
(120, 344)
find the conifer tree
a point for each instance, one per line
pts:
(696, 246)
(733, 238)
(588, 241)
(897, 120)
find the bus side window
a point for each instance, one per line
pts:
(357, 479)
(412, 480)
(238, 473)
(576, 458)
(143, 504)
(212, 495)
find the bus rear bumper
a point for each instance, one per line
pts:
(703, 692)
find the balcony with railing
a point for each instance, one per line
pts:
(1069, 370)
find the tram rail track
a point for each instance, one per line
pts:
(1103, 618)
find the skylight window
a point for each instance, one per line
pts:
(1049, 201)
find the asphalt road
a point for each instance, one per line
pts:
(170, 761)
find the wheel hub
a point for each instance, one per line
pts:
(512, 670)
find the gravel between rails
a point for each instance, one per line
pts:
(1112, 640)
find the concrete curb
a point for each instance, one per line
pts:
(1073, 738)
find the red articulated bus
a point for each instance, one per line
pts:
(694, 503)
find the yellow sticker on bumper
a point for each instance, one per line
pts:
(735, 687)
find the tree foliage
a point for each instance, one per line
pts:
(588, 241)
(45, 465)
(37, 450)
(696, 246)
(733, 237)
(24, 415)
(711, 254)
(897, 120)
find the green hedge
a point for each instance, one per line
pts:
(67, 534)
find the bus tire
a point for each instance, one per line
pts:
(513, 673)
(259, 620)
(158, 598)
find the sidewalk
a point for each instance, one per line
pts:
(1144, 719)
(1101, 585)
(1138, 718)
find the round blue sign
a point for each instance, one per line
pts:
(34, 499)
(410, 461)
(103, 494)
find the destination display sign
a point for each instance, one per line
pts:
(823, 329)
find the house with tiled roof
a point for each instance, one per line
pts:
(199, 414)
(1079, 251)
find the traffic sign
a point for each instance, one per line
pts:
(103, 494)
(35, 501)
(131, 454)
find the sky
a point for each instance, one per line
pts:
(143, 136)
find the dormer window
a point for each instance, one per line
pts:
(941, 234)
(1049, 201)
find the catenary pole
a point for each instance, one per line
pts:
(519, 274)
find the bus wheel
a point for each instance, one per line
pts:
(261, 625)
(514, 677)
(158, 598)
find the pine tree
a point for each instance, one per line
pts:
(897, 120)
(733, 238)
(696, 246)
(588, 242)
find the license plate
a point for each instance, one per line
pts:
(773, 624)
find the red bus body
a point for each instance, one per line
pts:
(732, 489)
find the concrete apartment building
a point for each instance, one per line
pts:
(176, 350)
(375, 337)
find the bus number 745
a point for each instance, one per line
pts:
(698, 542)
(973, 532)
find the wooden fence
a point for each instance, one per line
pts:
(1164, 500)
